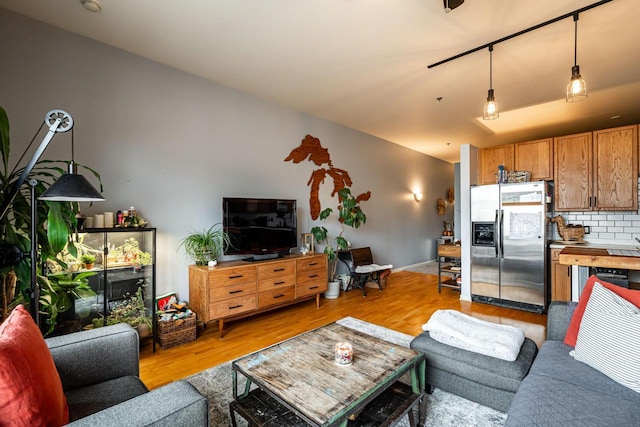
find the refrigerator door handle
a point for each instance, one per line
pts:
(501, 234)
(495, 234)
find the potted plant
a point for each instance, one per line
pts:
(206, 245)
(15, 225)
(132, 311)
(88, 260)
(350, 214)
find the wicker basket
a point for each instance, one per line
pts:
(516, 176)
(175, 332)
(572, 233)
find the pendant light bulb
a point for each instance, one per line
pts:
(577, 87)
(490, 111)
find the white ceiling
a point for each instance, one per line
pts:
(363, 63)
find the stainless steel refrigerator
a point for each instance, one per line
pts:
(509, 226)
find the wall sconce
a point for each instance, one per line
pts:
(417, 196)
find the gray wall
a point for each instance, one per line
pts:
(173, 145)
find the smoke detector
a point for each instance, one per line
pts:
(92, 5)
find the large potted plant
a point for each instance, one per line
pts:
(206, 245)
(15, 225)
(350, 214)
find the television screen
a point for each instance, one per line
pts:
(260, 226)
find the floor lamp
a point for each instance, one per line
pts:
(70, 187)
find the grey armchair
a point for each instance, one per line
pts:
(99, 371)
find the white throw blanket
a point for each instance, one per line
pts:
(372, 267)
(468, 333)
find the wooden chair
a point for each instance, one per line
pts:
(362, 269)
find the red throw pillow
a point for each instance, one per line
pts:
(30, 386)
(632, 296)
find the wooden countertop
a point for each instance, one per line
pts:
(596, 257)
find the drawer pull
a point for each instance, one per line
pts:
(235, 292)
(313, 275)
(278, 269)
(278, 296)
(235, 277)
(279, 283)
(313, 263)
(235, 306)
(314, 287)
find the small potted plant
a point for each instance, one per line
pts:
(88, 260)
(206, 245)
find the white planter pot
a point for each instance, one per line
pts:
(333, 290)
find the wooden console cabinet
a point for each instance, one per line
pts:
(237, 289)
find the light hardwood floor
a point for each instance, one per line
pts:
(405, 305)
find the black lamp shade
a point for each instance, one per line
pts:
(72, 187)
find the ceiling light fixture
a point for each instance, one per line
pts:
(577, 87)
(491, 106)
(92, 5)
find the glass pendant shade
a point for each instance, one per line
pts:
(577, 87)
(490, 107)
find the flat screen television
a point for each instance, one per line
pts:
(262, 228)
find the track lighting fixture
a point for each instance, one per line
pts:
(577, 87)
(491, 106)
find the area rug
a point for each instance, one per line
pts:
(443, 409)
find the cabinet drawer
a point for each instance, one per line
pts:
(449, 250)
(276, 269)
(312, 263)
(225, 292)
(555, 254)
(311, 288)
(276, 296)
(276, 282)
(229, 276)
(233, 306)
(317, 275)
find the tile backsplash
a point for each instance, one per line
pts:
(611, 225)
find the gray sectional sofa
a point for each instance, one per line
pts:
(560, 391)
(99, 371)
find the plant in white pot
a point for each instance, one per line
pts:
(350, 214)
(206, 245)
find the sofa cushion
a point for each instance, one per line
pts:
(30, 386)
(559, 391)
(574, 326)
(91, 399)
(609, 337)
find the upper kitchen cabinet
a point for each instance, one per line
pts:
(615, 168)
(597, 171)
(535, 157)
(572, 156)
(491, 158)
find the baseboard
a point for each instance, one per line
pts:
(407, 267)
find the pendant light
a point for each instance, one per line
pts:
(491, 106)
(577, 87)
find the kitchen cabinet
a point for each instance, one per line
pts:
(597, 170)
(535, 157)
(491, 158)
(560, 278)
(572, 156)
(615, 168)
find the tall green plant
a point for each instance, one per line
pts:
(15, 226)
(350, 214)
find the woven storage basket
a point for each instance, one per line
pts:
(175, 332)
(573, 233)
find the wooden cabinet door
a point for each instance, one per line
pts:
(615, 168)
(572, 159)
(491, 158)
(560, 278)
(535, 157)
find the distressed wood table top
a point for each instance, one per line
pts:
(301, 372)
(596, 257)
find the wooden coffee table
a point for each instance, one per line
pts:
(297, 382)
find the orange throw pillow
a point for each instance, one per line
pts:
(30, 386)
(571, 337)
